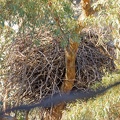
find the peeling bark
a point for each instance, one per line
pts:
(87, 10)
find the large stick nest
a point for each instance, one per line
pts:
(37, 71)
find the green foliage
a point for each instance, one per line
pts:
(30, 15)
(107, 16)
(100, 108)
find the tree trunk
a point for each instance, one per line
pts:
(70, 57)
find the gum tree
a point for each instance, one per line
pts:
(56, 16)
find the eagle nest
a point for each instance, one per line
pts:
(37, 66)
